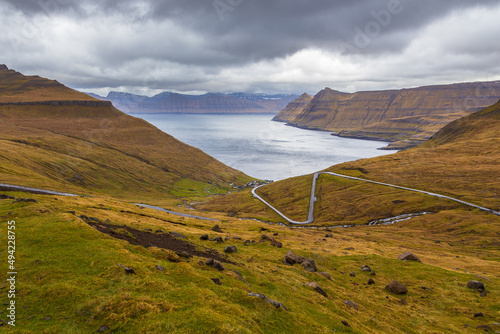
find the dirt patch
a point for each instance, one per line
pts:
(160, 239)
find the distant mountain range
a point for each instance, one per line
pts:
(198, 104)
(405, 117)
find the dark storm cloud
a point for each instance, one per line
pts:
(218, 44)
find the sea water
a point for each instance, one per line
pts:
(261, 148)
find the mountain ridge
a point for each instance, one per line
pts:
(405, 117)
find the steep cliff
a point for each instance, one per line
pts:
(296, 107)
(405, 117)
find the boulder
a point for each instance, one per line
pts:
(215, 264)
(317, 288)
(365, 268)
(396, 287)
(371, 281)
(178, 235)
(230, 249)
(204, 237)
(408, 256)
(351, 304)
(309, 265)
(291, 259)
(327, 275)
(216, 228)
(475, 285)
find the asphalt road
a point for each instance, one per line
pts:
(313, 198)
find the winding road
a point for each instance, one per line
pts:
(313, 198)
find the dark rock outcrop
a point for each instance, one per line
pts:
(408, 256)
(270, 301)
(396, 287)
(317, 288)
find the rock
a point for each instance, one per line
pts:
(216, 281)
(218, 239)
(351, 304)
(265, 237)
(479, 314)
(345, 323)
(103, 328)
(371, 281)
(290, 258)
(25, 200)
(178, 235)
(160, 268)
(396, 287)
(404, 302)
(327, 275)
(309, 265)
(317, 288)
(47, 318)
(184, 254)
(275, 234)
(329, 235)
(230, 249)
(483, 294)
(475, 285)
(239, 276)
(373, 273)
(365, 268)
(204, 237)
(276, 243)
(352, 274)
(485, 327)
(215, 264)
(3, 196)
(127, 270)
(408, 256)
(216, 228)
(272, 302)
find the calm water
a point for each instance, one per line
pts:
(260, 147)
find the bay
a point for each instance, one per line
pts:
(261, 148)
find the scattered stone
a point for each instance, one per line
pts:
(352, 274)
(482, 278)
(408, 256)
(485, 327)
(327, 275)
(365, 268)
(373, 273)
(276, 243)
(103, 328)
(309, 265)
(47, 318)
(216, 228)
(178, 235)
(157, 231)
(230, 249)
(475, 285)
(127, 270)
(184, 254)
(479, 314)
(404, 302)
(239, 276)
(218, 239)
(265, 237)
(345, 323)
(483, 294)
(329, 235)
(351, 304)
(216, 281)
(3, 196)
(317, 288)
(290, 258)
(396, 287)
(215, 264)
(371, 281)
(275, 234)
(160, 268)
(262, 229)
(349, 248)
(204, 237)
(272, 302)
(273, 241)
(25, 200)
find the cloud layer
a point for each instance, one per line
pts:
(147, 46)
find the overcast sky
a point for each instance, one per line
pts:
(273, 46)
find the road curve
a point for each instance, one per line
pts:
(313, 198)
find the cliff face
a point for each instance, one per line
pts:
(296, 107)
(405, 117)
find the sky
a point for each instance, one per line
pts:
(265, 46)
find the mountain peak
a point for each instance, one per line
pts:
(3, 67)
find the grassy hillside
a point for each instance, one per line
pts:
(68, 252)
(460, 161)
(404, 117)
(87, 146)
